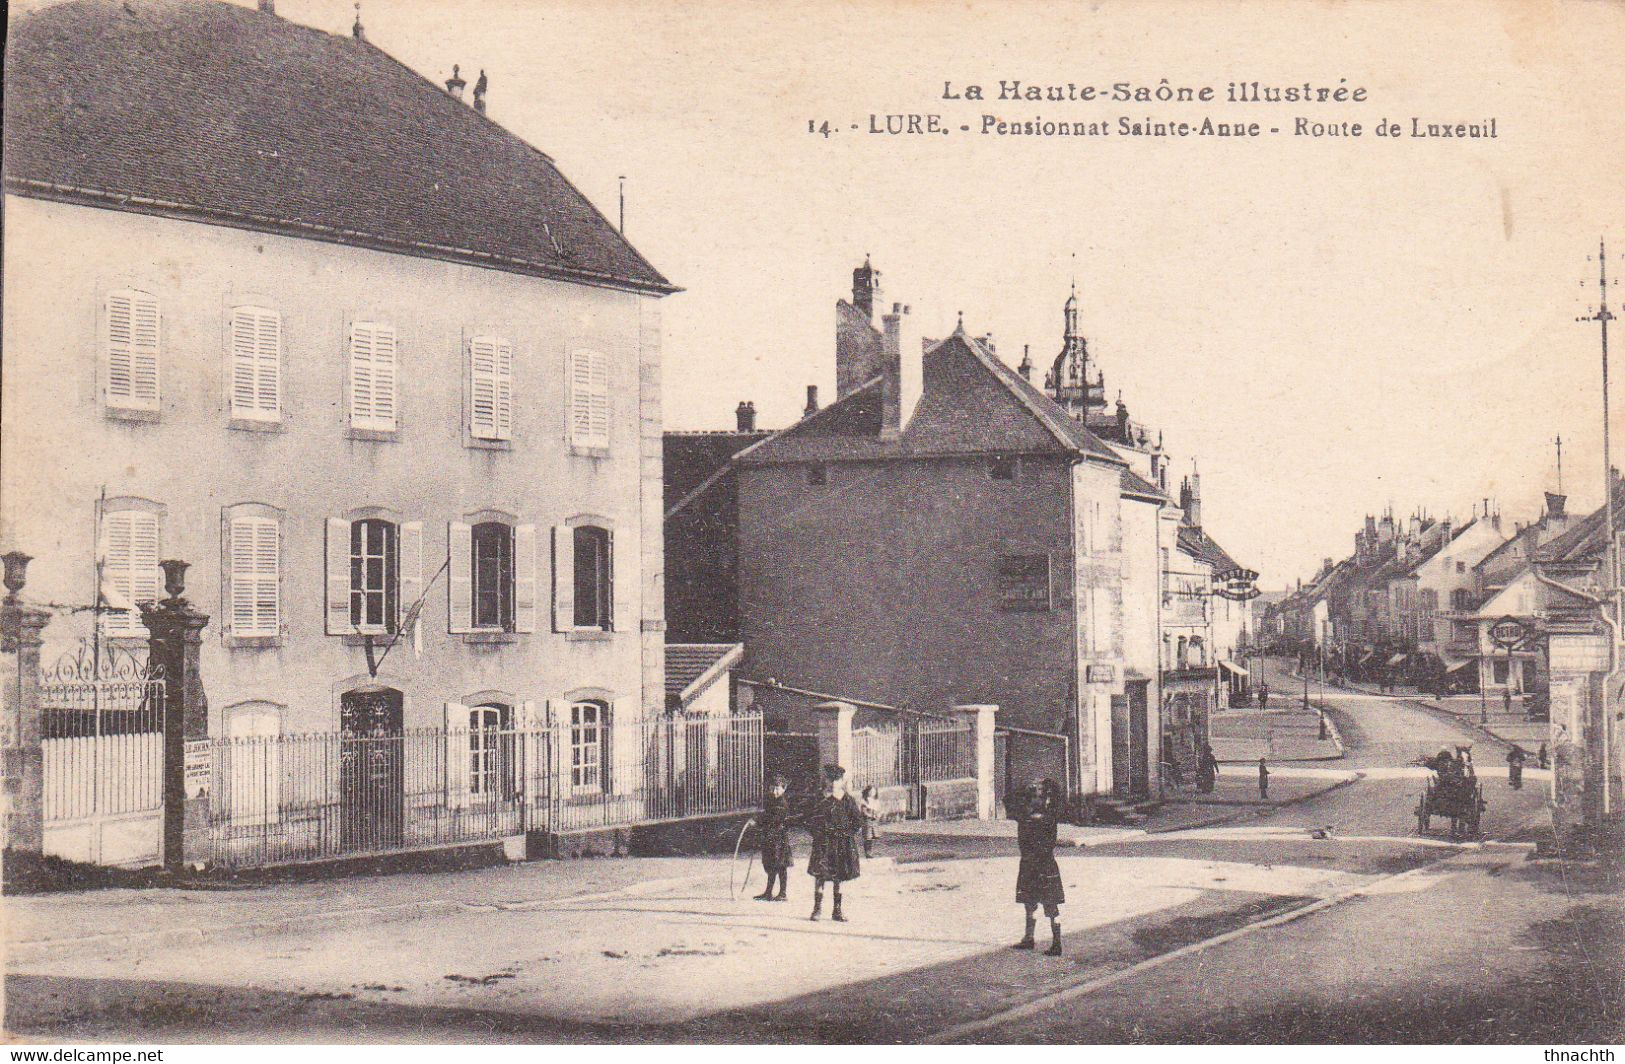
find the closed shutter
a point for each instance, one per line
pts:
(490, 388)
(524, 578)
(372, 376)
(411, 561)
(459, 755)
(564, 578)
(130, 566)
(622, 590)
(132, 351)
(256, 363)
(460, 578)
(338, 577)
(589, 399)
(255, 598)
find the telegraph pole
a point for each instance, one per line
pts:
(1611, 597)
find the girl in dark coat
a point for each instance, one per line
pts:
(774, 825)
(836, 823)
(1038, 881)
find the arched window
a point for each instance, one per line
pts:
(490, 742)
(589, 746)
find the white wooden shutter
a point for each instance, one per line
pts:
(524, 578)
(130, 566)
(623, 588)
(411, 565)
(490, 368)
(460, 578)
(459, 755)
(256, 363)
(372, 376)
(564, 578)
(132, 350)
(255, 598)
(589, 399)
(338, 576)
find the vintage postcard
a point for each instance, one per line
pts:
(839, 521)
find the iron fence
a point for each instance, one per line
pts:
(285, 798)
(101, 730)
(912, 751)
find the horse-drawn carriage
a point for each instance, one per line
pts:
(1454, 793)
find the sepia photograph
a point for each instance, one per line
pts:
(834, 522)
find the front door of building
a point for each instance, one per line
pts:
(371, 776)
(1139, 740)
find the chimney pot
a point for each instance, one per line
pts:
(479, 93)
(268, 6)
(455, 83)
(812, 401)
(745, 417)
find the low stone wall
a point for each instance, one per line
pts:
(950, 800)
(696, 835)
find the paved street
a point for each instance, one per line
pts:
(1248, 928)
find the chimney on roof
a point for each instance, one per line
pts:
(455, 83)
(479, 94)
(866, 288)
(902, 367)
(268, 6)
(745, 416)
(1026, 367)
(1556, 504)
(812, 401)
(987, 342)
(1122, 419)
(356, 31)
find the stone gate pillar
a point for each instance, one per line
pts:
(980, 719)
(21, 628)
(177, 641)
(835, 734)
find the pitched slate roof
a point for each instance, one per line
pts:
(1205, 549)
(1585, 542)
(971, 403)
(692, 667)
(1137, 487)
(227, 115)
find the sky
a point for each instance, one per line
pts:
(1328, 326)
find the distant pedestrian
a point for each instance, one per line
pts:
(836, 823)
(1207, 769)
(871, 816)
(1038, 879)
(1542, 758)
(1506, 699)
(1515, 760)
(1263, 780)
(774, 825)
(1263, 696)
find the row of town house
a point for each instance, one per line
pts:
(391, 386)
(1473, 607)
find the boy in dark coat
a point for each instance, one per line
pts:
(836, 823)
(774, 825)
(1263, 779)
(1038, 881)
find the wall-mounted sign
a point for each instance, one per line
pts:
(1508, 632)
(196, 768)
(1238, 585)
(1100, 674)
(1024, 582)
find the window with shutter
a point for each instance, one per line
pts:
(256, 364)
(490, 388)
(593, 590)
(256, 607)
(373, 373)
(374, 575)
(589, 399)
(132, 351)
(589, 724)
(130, 575)
(491, 564)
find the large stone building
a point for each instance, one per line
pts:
(941, 534)
(279, 307)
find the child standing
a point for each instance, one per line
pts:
(871, 816)
(836, 822)
(1263, 779)
(1038, 881)
(774, 825)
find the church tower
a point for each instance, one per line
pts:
(1068, 381)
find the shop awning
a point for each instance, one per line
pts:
(1458, 666)
(1396, 659)
(1232, 667)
